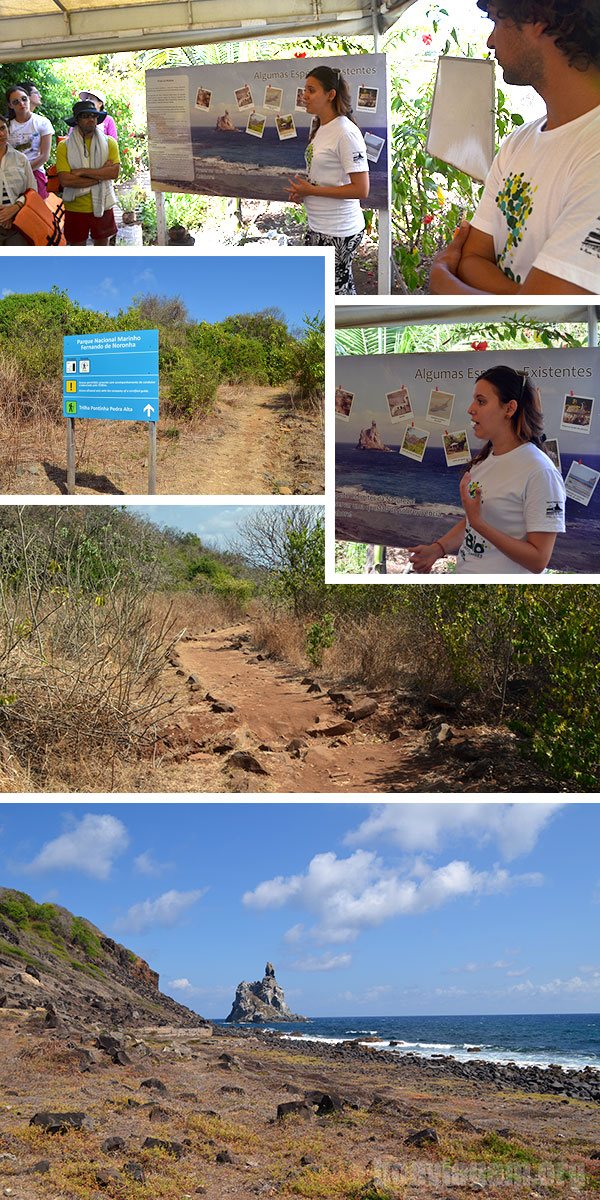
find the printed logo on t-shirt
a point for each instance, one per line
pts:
(554, 508)
(472, 544)
(358, 157)
(515, 201)
(591, 243)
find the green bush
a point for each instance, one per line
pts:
(83, 936)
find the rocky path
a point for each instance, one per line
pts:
(276, 730)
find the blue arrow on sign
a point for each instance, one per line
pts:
(111, 376)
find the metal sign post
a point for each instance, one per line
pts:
(111, 377)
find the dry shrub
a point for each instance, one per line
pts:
(281, 635)
(79, 678)
(25, 406)
(196, 612)
(381, 650)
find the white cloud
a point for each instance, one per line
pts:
(218, 991)
(146, 276)
(326, 962)
(426, 828)
(556, 987)
(7, 292)
(146, 865)
(90, 846)
(294, 935)
(108, 286)
(359, 892)
(163, 912)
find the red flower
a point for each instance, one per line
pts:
(427, 39)
(479, 345)
(125, 151)
(300, 54)
(428, 219)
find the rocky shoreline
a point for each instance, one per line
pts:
(553, 1080)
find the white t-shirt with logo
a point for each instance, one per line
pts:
(26, 136)
(336, 151)
(522, 492)
(541, 202)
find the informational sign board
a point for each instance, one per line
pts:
(462, 119)
(404, 438)
(111, 376)
(241, 129)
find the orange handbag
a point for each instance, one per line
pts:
(41, 221)
(52, 181)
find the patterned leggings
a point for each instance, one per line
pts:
(345, 249)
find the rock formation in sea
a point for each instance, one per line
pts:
(261, 1002)
(370, 440)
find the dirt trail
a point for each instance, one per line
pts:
(254, 442)
(282, 724)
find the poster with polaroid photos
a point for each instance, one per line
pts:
(273, 98)
(456, 448)
(343, 403)
(256, 124)
(243, 97)
(203, 99)
(399, 404)
(580, 483)
(286, 127)
(577, 413)
(366, 99)
(414, 443)
(300, 103)
(374, 146)
(552, 449)
(440, 407)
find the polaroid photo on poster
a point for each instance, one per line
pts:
(580, 482)
(243, 97)
(577, 413)
(374, 146)
(414, 443)
(286, 127)
(256, 124)
(366, 99)
(440, 407)
(273, 98)
(300, 105)
(203, 98)
(399, 404)
(551, 448)
(456, 448)
(343, 403)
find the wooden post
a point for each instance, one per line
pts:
(161, 219)
(71, 455)
(152, 458)
(384, 252)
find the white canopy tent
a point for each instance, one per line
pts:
(42, 29)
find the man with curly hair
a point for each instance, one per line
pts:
(536, 230)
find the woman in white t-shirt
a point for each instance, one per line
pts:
(338, 173)
(31, 134)
(512, 494)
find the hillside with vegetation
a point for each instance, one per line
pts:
(203, 367)
(134, 658)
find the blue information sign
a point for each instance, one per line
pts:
(111, 376)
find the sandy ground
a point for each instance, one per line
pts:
(217, 1109)
(255, 442)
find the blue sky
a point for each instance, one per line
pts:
(215, 524)
(213, 287)
(393, 909)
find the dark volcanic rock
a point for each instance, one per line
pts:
(59, 1122)
(294, 1108)
(135, 1171)
(244, 761)
(113, 1143)
(156, 1084)
(423, 1137)
(152, 1143)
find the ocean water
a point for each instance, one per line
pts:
(432, 482)
(267, 151)
(571, 1040)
